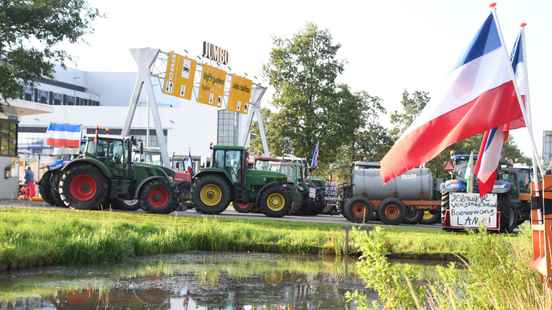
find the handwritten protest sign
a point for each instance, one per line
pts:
(468, 210)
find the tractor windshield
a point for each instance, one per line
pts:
(107, 149)
(229, 160)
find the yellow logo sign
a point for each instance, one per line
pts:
(179, 76)
(240, 94)
(211, 89)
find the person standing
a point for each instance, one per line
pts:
(30, 182)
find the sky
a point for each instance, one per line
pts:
(388, 46)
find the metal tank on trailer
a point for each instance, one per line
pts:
(409, 198)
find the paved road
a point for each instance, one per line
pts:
(232, 214)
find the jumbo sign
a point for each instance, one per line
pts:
(215, 53)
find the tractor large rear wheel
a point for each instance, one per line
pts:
(83, 187)
(508, 220)
(274, 202)
(211, 194)
(44, 188)
(412, 215)
(157, 197)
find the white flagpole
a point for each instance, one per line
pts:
(535, 157)
(520, 102)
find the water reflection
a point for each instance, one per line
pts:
(195, 281)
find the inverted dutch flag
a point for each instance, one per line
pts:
(63, 135)
(190, 163)
(493, 140)
(478, 95)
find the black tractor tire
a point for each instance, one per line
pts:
(274, 201)
(126, 205)
(44, 188)
(391, 211)
(242, 207)
(83, 187)
(211, 194)
(157, 197)
(54, 189)
(358, 210)
(430, 217)
(412, 215)
(508, 219)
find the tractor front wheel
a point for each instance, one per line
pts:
(44, 188)
(274, 202)
(211, 194)
(83, 187)
(157, 197)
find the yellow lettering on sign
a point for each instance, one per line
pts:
(179, 76)
(240, 94)
(211, 88)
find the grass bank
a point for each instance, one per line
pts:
(41, 237)
(31, 237)
(498, 276)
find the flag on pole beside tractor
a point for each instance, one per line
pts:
(240, 94)
(179, 76)
(211, 89)
(63, 135)
(478, 95)
(314, 159)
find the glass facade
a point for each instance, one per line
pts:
(228, 124)
(547, 147)
(53, 98)
(8, 137)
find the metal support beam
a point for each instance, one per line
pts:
(255, 112)
(145, 57)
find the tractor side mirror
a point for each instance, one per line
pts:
(141, 147)
(133, 140)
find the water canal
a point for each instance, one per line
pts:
(190, 281)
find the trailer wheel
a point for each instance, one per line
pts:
(391, 211)
(430, 217)
(44, 188)
(358, 210)
(274, 202)
(508, 220)
(157, 197)
(83, 187)
(211, 194)
(412, 215)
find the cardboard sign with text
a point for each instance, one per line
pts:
(468, 210)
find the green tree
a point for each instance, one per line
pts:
(311, 106)
(30, 33)
(411, 105)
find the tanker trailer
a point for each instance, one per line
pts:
(405, 199)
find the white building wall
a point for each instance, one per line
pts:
(8, 186)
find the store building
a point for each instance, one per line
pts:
(10, 112)
(101, 99)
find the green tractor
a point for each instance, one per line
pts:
(229, 179)
(105, 173)
(310, 190)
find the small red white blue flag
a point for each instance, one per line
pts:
(190, 163)
(478, 95)
(314, 158)
(63, 135)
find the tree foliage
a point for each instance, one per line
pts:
(311, 106)
(30, 33)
